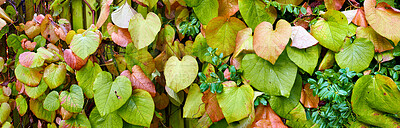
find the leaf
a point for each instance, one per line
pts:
(145, 3)
(123, 15)
(334, 4)
(52, 102)
(179, 74)
(274, 80)
(73, 101)
(139, 80)
(383, 19)
(301, 38)
(31, 60)
(139, 57)
(384, 56)
(298, 118)
(36, 106)
(192, 3)
(266, 117)
(21, 105)
(166, 35)
(108, 121)
(307, 97)
(110, 95)
(206, 10)
(85, 44)
(175, 98)
(144, 31)
(194, 106)
(139, 109)
(306, 59)
(359, 18)
(80, 121)
(54, 75)
(161, 101)
(381, 44)
(331, 30)
(327, 61)
(227, 7)
(47, 55)
(254, 12)
(73, 61)
(200, 48)
(221, 33)
(5, 111)
(36, 92)
(356, 56)
(350, 14)
(104, 13)
(294, 2)
(244, 42)
(236, 102)
(14, 41)
(86, 77)
(212, 107)
(31, 29)
(269, 43)
(47, 29)
(120, 36)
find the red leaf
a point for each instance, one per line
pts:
(141, 81)
(120, 36)
(359, 19)
(267, 118)
(212, 107)
(73, 61)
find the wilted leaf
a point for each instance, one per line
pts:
(179, 74)
(141, 81)
(307, 97)
(119, 35)
(301, 38)
(269, 43)
(144, 31)
(212, 107)
(36, 92)
(36, 106)
(54, 75)
(52, 102)
(356, 56)
(221, 33)
(244, 42)
(85, 44)
(140, 57)
(110, 120)
(381, 44)
(31, 60)
(123, 15)
(73, 61)
(79, 121)
(29, 76)
(194, 106)
(227, 7)
(47, 29)
(206, 10)
(306, 59)
(104, 13)
(5, 111)
(139, 109)
(73, 100)
(21, 105)
(86, 77)
(266, 117)
(334, 4)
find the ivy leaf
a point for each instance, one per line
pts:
(52, 102)
(80, 121)
(31, 60)
(356, 56)
(21, 105)
(306, 59)
(244, 42)
(269, 43)
(139, 109)
(5, 111)
(221, 33)
(381, 44)
(144, 31)
(254, 12)
(301, 38)
(110, 95)
(54, 75)
(73, 101)
(36, 92)
(179, 74)
(123, 15)
(194, 106)
(86, 77)
(383, 19)
(206, 10)
(139, 57)
(236, 102)
(36, 106)
(108, 121)
(85, 44)
(331, 30)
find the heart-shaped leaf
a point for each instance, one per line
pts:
(301, 38)
(72, 101)
(79, 121)
(139, 109)
(140, 81)
(86, 77)
(85, 44)
(356, 56)
(31, 60)
(110, 120)
(206, 10)
(306, 59)
(384, 19)
(22, 105)
(140, 57)
(110, 95)
(54, 75)
(52, 102)
(381, 44)
(123, 15)
(194, 106)
(73, 61)
(32, 29)
(331, 30)
(274, 80)
(162, 101)
(36, 106)
(180, 74)
(227, 7)
(120, 36)
(221, 33)
(254, 12)
(5, 111)
(144, 31)
(244, 42)
(36, 92)
(269, 43)
(236, 102)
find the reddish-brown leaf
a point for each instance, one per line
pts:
(73, 61)
(161, 101)
(119, 35)
(227, 7)
(160, 61)
(267, 118)
(26, 44)
(307, 98)
(227, 74)
(359, 19)
(141, 81)
(334, 4)
(47, 29)
(212, 107)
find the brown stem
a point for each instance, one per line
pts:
(90, 7)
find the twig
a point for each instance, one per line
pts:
(90, 7)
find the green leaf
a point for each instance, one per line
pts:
(31, 60)
(36, 92)
(36, 106)
(40, 41)
(80, 121)
(357, 55)
(331, 31)
(139, 109)
(221, 33)
(236, 102)
(254, 12)
(14, 42)
(5, 111)
(54, 75)
(29, 76)
(85, 44)
(86, 77)
(274, 80)
(200, 48)
(179, 74)
(206, 10)
(72, 101)
(111, 120)
(52, 103)
(306, 59)
(22, 105)
(194, 106)
(110, 95)
(144, 31)
(139, 57)
(193, 3)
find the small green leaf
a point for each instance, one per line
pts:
(85, 44)
(80, 121)
(72, 101)
(139, 109)
(52, 103)
(22, 105)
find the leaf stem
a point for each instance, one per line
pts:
(90, 7)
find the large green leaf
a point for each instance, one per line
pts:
(110, 95)
(331, 30)
(221, 33)
(36, 106)
(85, 44)
(79, 121)
(144, 31)
(357, 55)
(29, 76)
(54, 75)
(21, 105)
(36, 92)
(306, 59)
(194, 106)
(200, 48)
(111, 120)
(206, 10)
(139, 109)
(5, 111)
(236, 102)
(86, 76)
(254, 12)
(193, 3)
(274, 80)
(52, 102)
(139, 57)
(179, 74)
(72, 101)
